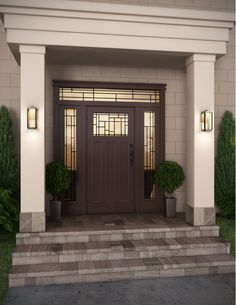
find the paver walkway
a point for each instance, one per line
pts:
(198, 290)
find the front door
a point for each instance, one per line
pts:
(111, 140)
(110, 160)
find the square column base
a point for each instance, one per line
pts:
(33, 222)
(200, 216)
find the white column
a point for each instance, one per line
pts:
(200, 145)
(32, 217)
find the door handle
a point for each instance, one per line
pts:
(131, 154)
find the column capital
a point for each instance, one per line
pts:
(200, 58)
(33, 49)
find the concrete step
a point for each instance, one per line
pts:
(107, 270)
(150, 232)
(112, 250)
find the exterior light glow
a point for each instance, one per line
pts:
(32, 117)
(206, 120)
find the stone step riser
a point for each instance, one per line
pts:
(124, 274)
(112, 254)
(29, 239)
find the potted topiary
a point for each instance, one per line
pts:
(57, 182)
(169, 176)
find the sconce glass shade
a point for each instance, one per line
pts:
(206, 120)
(32, 117)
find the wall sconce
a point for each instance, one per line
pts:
(206, 120)
(32, 117)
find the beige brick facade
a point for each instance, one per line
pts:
(10, 84)
(174, 78)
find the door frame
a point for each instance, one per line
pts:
(71, 207)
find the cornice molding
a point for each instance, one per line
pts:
(102, 25)
(100, 7)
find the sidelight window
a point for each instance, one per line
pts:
(70, 148)
(149, 154)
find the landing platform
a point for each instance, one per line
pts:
(116, 222)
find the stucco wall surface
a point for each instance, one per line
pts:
(175, 79)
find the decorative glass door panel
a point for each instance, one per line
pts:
(110, 124)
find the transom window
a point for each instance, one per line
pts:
(109, 95)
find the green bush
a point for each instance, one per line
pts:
(227, 231)
(9, 174)
(57, 178)
(7, 244)
(225, 166)
(169, 176)
(9, 213)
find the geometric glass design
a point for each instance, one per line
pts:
(110, 124)
(70, 148)
(109, 95)
(149, 154)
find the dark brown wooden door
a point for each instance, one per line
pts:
(110, 160)
(111, 137)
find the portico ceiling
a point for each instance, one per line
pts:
(65, 23)
(113, 57)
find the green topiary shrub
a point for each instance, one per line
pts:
(169, 176)
(9, 174)
(9, 213)
(225, 166)
(57, 178)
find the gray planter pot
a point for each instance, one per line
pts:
(170, 207)
(55, 210)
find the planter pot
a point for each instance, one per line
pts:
(170, 207)
(55, 210)
(148, 182)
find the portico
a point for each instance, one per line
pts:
(197, 37)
